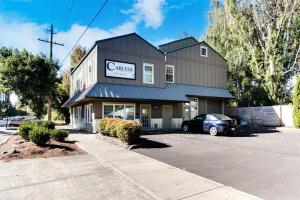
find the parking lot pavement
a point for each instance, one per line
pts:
(263, 164)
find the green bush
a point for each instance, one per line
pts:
(59, 135)
(296, 104)
(102, 124)
(46, 124)
(39, 135)
(128, 131)
(125, 130)
(24, 129)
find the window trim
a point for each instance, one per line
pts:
(85, 113)
(173, 67)
(152, 66)
(78, 115)
(203, 47)
(119, 103)
(90, 74)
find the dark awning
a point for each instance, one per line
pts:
(172, 92)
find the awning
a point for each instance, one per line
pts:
(172, 92)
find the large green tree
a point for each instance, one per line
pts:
(296, 104)
(77, 54)
(29, 76)
(62, 94)
(261, 41)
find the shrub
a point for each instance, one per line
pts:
(128, 131)
(125, 130)
(24, 129)
(58, 135)
(46, 124)
(296, 104)
(102, 125)
(39, 135)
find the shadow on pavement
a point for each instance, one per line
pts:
(144, 143)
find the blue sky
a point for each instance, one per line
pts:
(158, 21)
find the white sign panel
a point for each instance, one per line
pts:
(119, 69)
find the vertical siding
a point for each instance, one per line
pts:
(130, 49)
(193, 69)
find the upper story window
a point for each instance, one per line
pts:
(170, 74)
(148, 73)
(203, 51)
(78, 83)
(90, 74)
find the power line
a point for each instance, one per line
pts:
(67, 19)
(101, 8)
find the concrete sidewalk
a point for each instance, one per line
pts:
(156, 179)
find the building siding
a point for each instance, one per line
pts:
(193, 69)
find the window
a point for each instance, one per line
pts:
(148, 75)
(169, 73)
(90, 74)
(78, 112)
(88, 113)
(122, 111)
(203, 51)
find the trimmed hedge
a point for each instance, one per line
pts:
(296, 104)
(39, 135)
(126, 130)
(59, 135)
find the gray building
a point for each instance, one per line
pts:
(4, 97)
(127, 77)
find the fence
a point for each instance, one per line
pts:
(281, 115)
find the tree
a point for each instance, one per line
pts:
(77, 55)
(62, 95)
(29, 76)
(296, 104)
(261, 41)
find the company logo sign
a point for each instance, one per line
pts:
(119, 69)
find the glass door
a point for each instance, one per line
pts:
(145, 115)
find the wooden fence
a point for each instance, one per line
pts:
(281, 115)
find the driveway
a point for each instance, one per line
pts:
(264, 164)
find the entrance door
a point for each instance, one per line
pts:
(167, 116)
(145, 116)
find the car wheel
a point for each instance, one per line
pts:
(185, 128)
(213, 131)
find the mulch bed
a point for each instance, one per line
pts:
(18, 148)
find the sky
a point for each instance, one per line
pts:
(22, 22)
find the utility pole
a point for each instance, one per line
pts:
(49, 109)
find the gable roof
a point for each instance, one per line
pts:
(178, 44)
(113, 38)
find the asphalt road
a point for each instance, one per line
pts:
(264, 164)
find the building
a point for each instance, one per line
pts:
(127, 77)
(4, 98)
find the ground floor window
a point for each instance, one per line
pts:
(78, 112)
(88, 113)
(122, 111)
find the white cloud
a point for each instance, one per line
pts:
(24, 35)
(148, 11)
